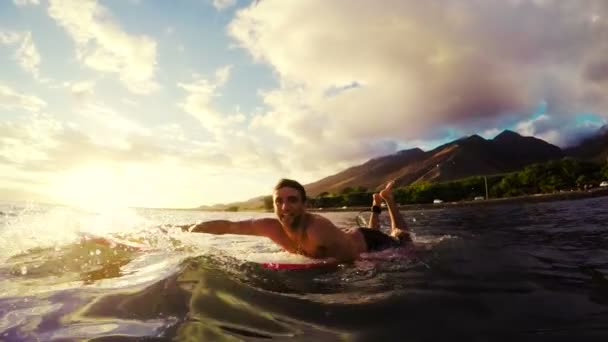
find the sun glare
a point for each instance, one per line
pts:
(92, 187)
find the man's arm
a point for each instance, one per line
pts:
(260, 227)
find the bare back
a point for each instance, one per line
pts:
(322, 239)
(318, 238)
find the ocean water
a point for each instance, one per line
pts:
(526, 272)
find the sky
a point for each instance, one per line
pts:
(182, 103)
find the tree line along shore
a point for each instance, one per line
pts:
(558, 196)
(565, 178)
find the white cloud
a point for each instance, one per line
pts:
(106, 126)
(26, 2)
(72, 164)
(103, 46)
(9, 37)
(490, 133)
(41, 143)
(83, 90)
(102, 156)
(27, 140)
(353, 74)
(14, 100)
(199, 101)
(557, 130)
(235, 142)
(222, 75)
(130, 102)
(534, 126)
(26, 53)
(223, 4)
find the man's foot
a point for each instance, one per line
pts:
(387, 192)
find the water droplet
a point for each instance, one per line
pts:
(97, 252)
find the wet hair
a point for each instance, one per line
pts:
(290, 183)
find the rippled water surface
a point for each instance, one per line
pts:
(531, 272)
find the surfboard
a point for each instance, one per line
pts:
(285, 261)
(112, 242)
(279, 266)
(278, 261)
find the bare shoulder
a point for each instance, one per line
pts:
(320, 220)
(320, 225)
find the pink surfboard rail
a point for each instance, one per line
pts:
(294, 266)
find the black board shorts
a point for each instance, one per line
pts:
(377, 240)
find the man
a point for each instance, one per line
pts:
(298, 231)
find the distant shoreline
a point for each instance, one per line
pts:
(537, 198)
(560, 196)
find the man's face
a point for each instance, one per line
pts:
(288, 206)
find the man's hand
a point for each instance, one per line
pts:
(187, 227)
(165, 228)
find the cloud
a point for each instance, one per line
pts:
(26, 54)
(81, 91)
(130, 102)
(105, 126)
(9, 37)
(71, 163)
(223, 4)
(541, 127)
(27, 139)
(558, 130)
(26, 2)
(199, 102)
(41, 143)
(355, 74)
(103, 46)
(14, 100)
(491, 133)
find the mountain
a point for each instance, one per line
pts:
(517, 151)
(594, 147)
(465, 157)
(461, 158)
(253, 203)
(368, 174)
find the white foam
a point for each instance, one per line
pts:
(43, 227)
